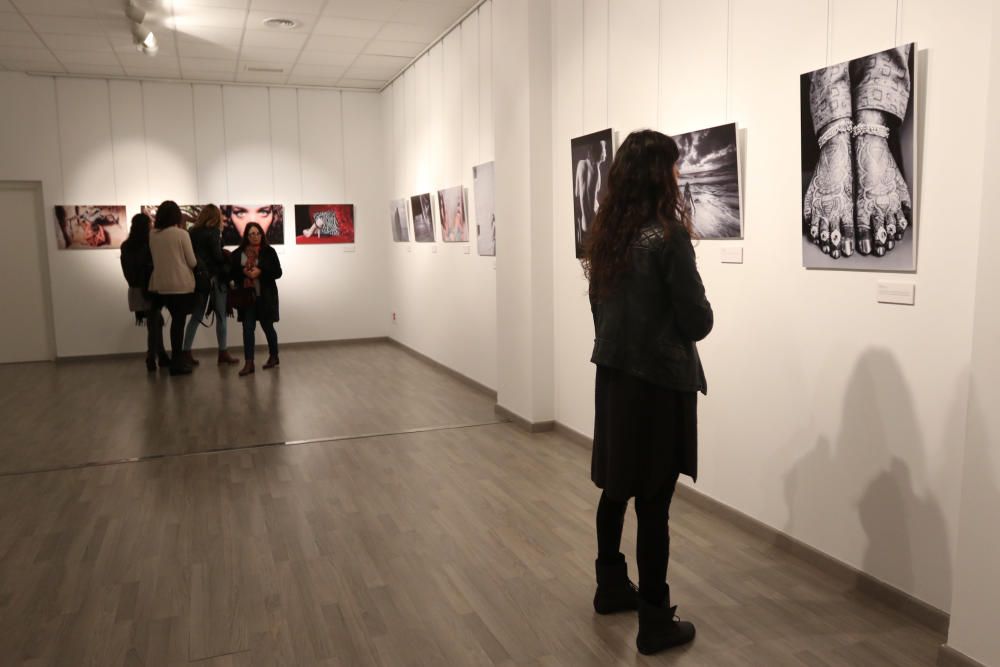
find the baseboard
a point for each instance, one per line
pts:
(447, 369)
(296, 345)
(521, 422)
(573, 435)
(949, 657)
(918, 610)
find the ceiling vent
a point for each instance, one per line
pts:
(266, 70)
(280, 23)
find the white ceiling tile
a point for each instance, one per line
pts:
(336, 44)
(69, 58)
(369, 84)
(318, 71)
(304, 22)
(24, 53)
(428, 14)
(261, 77)
(269, 55)
(386, 47)
(390, 62)
(58, 7)
(282, 6)
(21, 39)
(205, 50)
(48, 64)
(274, 39)
(335, 25)
(313, 81)
(13, 22)
(407, 32)
(66, 24)
(383, 73)
(208, 17)
(208, 65)
(375, 10)
(5, 6)
(98, 69)
(153, 73)
(209, 75)
(216, 36)
(76, 42)
(142, 61)
(327, 58)
(224, 4)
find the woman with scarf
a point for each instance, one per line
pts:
(254, 268)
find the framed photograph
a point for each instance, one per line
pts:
(398, 221)
(423, 218)
(235, 218)
(858, 163)
(324, 223)
(189, 212)
(91, 227)
(591, 159)
(486, 229)
(451, 212)
(710, 181)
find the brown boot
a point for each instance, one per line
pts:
(271, 362)
(189, 359)
(247, 368)
(226, 358)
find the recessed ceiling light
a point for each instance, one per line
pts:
(280, 23)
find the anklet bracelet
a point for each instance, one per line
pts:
(845, 126)
(870, 128)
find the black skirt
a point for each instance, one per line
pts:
(643, 435)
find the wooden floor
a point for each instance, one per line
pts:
(463, 545)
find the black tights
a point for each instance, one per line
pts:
(652, 538)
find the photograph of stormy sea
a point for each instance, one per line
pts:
(710, 181)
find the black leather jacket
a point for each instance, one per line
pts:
(647, 326)
(207, 245)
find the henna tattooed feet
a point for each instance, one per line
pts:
(883, 208)
(828, 209)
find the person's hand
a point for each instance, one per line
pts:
(883, 208)
(828, 208)
(255, 273)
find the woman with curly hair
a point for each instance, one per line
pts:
(649, 308)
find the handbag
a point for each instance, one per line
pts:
(202, 280)
(241, 297)
(138, 302)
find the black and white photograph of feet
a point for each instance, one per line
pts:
(858, 161)
(709, 180)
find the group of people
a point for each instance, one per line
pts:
(195, 279)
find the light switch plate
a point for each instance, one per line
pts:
(901, 293)
(466, 251)
(732, 255)
(349, 248)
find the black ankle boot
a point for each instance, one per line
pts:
(660, 629)
(614, 590)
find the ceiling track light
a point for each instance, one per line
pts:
(135, 13)
(143, 38)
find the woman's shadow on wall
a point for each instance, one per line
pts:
(872, 486)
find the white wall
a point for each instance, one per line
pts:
(829, 416)
(438, 123)
(134, 143)
(977, 581)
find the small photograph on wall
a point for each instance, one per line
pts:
(189, 212)
(423, 218)
(858, 163)
(235, 218)
(324, 223)
(91, 227)
(710, 181)
(397, 218)
(591, 161)
(486, 229)
(451, 212)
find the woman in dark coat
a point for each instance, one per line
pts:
(206, 239)
(255, 267)
(649, 308)
(137, 265)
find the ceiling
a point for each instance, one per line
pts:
(341, 43)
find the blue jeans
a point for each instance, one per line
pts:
(250, 327)
(220, 292)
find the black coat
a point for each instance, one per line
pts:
(207, 245)
(647, 326)
(137, 263)
(266, 304)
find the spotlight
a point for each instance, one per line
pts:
(135, 13)
(144, 40)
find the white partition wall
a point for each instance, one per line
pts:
(830, 417)
(437, 121)
(134, 143)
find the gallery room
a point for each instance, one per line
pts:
(572, 293)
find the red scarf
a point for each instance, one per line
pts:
(252, 252)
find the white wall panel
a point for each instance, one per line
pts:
(210, 145)
(248, 146)
(452, 136)
(634, 63)
(129, 142)
(594, 67)
(169, 117)
(285, 140)
(485, 14)
(322, 158)
(85, 139)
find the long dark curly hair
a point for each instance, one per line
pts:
(641, 187)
